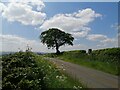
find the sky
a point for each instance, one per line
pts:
(92, 24)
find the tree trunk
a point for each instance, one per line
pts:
(57, 47)
(57, 50)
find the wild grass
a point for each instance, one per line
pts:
(99, 62)
(29, 71)
(55, 77)
(102, 66)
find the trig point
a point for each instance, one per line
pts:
(89, 51)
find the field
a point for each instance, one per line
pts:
(29, 71)
(106, 60)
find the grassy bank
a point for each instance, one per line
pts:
(28, 71)
(55, 77)
(105, 60)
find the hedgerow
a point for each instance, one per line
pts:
(28, 71)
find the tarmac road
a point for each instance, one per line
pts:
(90, 77)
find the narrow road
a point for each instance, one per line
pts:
(90, 77)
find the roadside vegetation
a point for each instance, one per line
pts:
(106, 60)
(29, 71)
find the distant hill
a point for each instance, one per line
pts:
(5, 53)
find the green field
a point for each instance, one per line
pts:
(29, 71)
(106, 60)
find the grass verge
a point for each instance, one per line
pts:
(88, 61)
(102, 66)
(29, 71)
(56, 77)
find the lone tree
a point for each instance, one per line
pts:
(54, 38)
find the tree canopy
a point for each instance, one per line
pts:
(54, 38)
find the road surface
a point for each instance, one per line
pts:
(90, 77)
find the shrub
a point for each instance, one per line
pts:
(19, 71)
(28, 71)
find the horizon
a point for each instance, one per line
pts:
(54, 52)
(94, 25)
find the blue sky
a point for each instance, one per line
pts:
(108, 10)
(97, 24)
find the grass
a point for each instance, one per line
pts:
(87, 61)
(108, 68)
(57, 78)
(29, 71)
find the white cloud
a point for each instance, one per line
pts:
(116, 26)
(96, 37)
(2, 7)
(38, 3)
(87, 14)
(75, 23)
(102, 40)
(23, 12)
(74, 47)
(81, 33)
(12, 43)
(109, 40)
